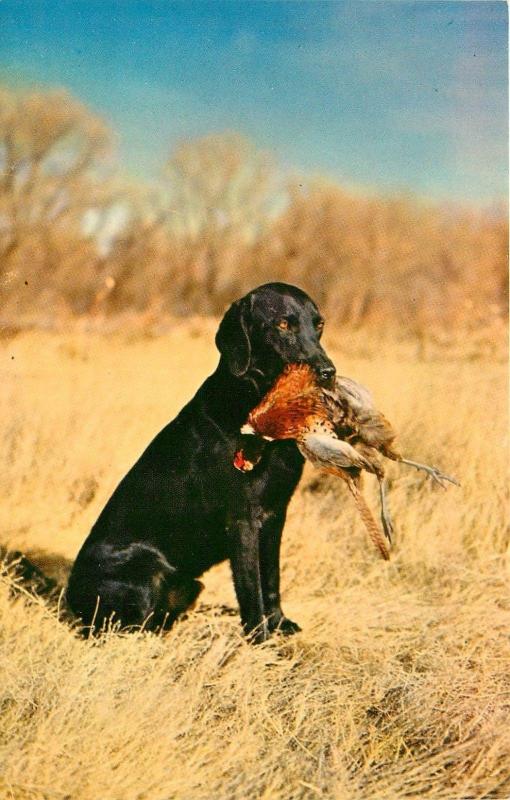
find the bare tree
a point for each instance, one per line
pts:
(53, 165)
(222, 193)
(76, 238)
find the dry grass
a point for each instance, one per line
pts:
(397, 687)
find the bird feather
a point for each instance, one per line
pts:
(326, 450)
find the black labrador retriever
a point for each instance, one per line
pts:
(183, 506)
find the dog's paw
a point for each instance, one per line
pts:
(257, 635)
(287, 627)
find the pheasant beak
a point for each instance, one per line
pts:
(248, 429)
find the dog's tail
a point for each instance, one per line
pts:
(24, 576)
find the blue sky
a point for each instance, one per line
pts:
(385, 95)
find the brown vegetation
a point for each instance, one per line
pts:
(77, 241)
(397, 687)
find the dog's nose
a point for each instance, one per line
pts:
(326, 375)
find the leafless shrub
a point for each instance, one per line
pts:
(76, 240)
(392, 262)
(53, 162)
(221, 195)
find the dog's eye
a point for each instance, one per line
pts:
(283, 325)
(319, 325)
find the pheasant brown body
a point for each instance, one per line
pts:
(293, 405)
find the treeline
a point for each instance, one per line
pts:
(78, 240)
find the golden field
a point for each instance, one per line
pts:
(399, 684)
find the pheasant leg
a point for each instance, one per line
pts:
(386, 520)
(435, 473)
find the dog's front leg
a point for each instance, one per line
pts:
(270, 540)
(244, 561)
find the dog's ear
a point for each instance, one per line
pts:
(233, 338)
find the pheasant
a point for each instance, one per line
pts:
(338, 430)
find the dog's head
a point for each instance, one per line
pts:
(274, 325)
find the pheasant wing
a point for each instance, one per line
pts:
(324, 450)
(357, 396)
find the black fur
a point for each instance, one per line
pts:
(183, 506)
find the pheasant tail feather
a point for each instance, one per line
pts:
(370, 523)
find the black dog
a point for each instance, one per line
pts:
(183, 507)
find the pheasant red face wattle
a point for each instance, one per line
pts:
(241, 463)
